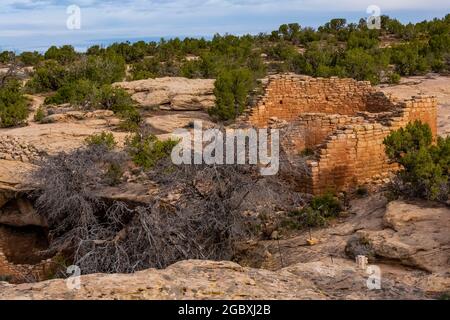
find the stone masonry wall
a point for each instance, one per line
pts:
(311, 129)
(13, 148)
(354, 154)
(18, 273)
(288, 96)
(343, 121)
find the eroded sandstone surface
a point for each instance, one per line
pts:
(409, 241)
(172, 93)
(289, 268)
(219, 280)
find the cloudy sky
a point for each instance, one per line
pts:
(37, 24)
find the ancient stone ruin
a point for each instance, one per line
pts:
(341, 122)
(14, 148)
(23, 240)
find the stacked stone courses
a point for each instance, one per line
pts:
(343, 122)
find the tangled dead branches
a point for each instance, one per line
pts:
(198, 211)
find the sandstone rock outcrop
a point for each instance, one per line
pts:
(20, 257)
(416, 254)
(20, 213)
(219, 280)
(172, 93)
(77, 115)
(168, 123)
(12, 175)
(414, 235)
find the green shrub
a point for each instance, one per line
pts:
(39, 115)
(87, 95)
(114, 173)
(394, 78)
(103, 69)
(311, 218)
(130, 52)
(231, 91)
(407, 140)
(444, 296)
(131, 119)
(423, 176)
(360, 65)
(5, 278)
(48, 76)
(7, 56)
(145, 69)
(82, 93)
(425, 167)
(104, 139)
(52, 75)
(13, 105)
(64, 54)
(147, 150)
(328, 205)
(115, 99)
(408, 59)
(317, 213)
(31, 58)
(362, 191)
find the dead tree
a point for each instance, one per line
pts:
(199, 211)
(14, 66)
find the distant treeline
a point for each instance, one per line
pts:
(337, 48)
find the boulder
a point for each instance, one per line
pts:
(99, 114)
(172, 93)
(77, 115)
(15, 210)
(13, 175)
(20, 213)
(57, 117)
(157, 98)
(414, 234)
